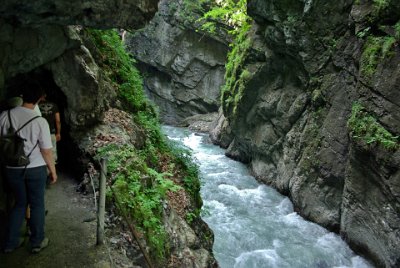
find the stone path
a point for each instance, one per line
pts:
(71, 230)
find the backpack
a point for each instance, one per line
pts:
(12, 146)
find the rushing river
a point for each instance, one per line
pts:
(254, 225)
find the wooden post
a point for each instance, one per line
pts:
(102, 202)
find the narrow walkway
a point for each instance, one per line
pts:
(72, 236)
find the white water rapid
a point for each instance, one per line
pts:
(254, 225)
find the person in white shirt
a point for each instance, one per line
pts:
(28, 184)
(17, 101)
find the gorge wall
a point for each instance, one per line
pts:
(183, 69)
(41, 45)
(37, 35)
(316, 61)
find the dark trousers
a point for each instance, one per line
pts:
(28, 189)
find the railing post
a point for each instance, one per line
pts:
(102, 202)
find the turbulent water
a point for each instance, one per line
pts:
(254, 225)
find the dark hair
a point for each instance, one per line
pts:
(32, 95)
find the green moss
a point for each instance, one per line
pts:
(397, 31)
(140, 178)
(182, 158)
(192, 10)
(313, 139)
(236, 76)
(381, 4)
(226, 14)
(364, 32)
(317, 98)
(375, 50)
(232, 14)
(141, 188)
(365, 127)
(119, 67)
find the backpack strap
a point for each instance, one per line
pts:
(30, 120)
(9, 120)
(11, 126)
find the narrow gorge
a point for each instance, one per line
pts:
(313, 109)
(306, 93)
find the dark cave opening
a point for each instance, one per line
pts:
(69, 155)
(67, 150)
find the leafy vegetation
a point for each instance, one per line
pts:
(381, 4)
(397, 31)
(119, 67)
(193, 9)
(236, 76)
(233, 14)
(375, 50)
(230, 12)
(380, 38)
(365, 127)
(141, 178)
(140, 190)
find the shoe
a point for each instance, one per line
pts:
(42, 245)
(9, 250)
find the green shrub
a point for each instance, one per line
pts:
(139, 179)
(182, 157)
(140, 190)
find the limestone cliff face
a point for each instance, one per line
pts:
(183, 69)
(132, 14)
(35, 35)
(39, 47)
(291, 124)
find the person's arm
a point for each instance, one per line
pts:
(58, 126)
(48, 158)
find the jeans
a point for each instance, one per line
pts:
(28, 189)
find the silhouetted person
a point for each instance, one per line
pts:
(50, 111)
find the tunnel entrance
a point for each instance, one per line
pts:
(67, 150)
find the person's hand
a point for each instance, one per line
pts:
(58, 137)
(53, 177)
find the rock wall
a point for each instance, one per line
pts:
(183, 69)
(39, 47)
(60, 51)
(132, 14)
(291, 123)
(36, 34)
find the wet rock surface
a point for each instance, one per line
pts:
(98, 14)
(183, 69)
(292, 126)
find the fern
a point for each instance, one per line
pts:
(230, 12)
(365, 127)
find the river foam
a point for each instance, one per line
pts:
(254, 225)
